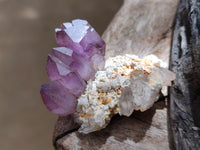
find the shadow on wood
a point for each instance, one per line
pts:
(125, 132)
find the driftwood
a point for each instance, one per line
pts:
(185, 62)
(140, 27)
(147, 130)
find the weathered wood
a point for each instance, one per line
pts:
(185, 62)
(146, 131)
(140, 27)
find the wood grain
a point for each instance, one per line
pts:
(185, 62)
(144, 130)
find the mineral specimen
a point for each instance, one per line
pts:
(126, 84)
(80, 55)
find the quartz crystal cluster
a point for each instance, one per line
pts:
(83, 85)
(126, 84)
(79, 55)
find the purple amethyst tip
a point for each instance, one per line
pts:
(58, 99)
(79, 55)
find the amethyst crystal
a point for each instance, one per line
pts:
(76, 62)
(80, 55)
(58, 99)
(82, 39)
(71, 80)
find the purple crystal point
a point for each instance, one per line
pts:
(64, 54)
(76, 62)
(79, 55)
(83, 39)
(71, 80)
(55, 68)
(58, 99)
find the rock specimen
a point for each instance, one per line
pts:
(126, 84)
(140, 28)
(80, 55)
(185, 91)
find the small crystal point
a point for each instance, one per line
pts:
(76, 62)
(77, 32)
(64, 54)
(55, 68)
(162, 76)
(64, 40)
(93, 43)
(71, 80)
(58, 99)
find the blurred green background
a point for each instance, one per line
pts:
(26, 37)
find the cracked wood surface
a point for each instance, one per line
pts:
(185, 91)
(140, 27)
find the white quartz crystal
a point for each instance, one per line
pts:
(126, 84)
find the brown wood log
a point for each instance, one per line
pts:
(185, 62)
(140, 27)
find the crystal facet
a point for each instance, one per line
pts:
(64, 54)
(55, 68)
(58, 99)
(76, 62)
(83, 39)
(71, 80)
